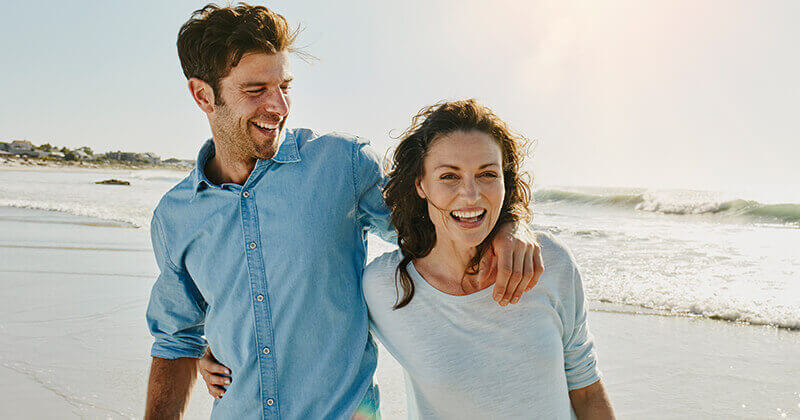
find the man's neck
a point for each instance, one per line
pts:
(226, 167)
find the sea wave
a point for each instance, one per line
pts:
(169, 175)
(680, 203)
(135, 217)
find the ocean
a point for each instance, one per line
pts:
(722, 255)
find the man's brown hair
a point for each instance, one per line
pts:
(215, 38)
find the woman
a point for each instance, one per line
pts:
(455, 177)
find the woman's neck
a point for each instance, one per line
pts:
(445, 268)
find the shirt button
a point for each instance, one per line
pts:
(270, 402)
(252, 245)
(266, 350)
(260, 298)
(246, 194)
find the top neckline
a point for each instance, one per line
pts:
(423, 285)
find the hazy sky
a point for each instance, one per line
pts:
(657, 93)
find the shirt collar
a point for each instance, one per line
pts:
(287, 153)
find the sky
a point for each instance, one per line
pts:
(663, 94)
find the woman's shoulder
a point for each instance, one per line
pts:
(382, 268)
(554, 250)
(560, 266)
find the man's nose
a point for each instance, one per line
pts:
(277, 102)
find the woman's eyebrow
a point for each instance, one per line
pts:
(485, 165)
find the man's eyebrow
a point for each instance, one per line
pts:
(256, 84)
(485, 165)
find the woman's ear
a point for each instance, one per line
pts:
(420, 192)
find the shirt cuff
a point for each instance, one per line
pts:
(175, 351)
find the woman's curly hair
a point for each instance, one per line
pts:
(416, 235)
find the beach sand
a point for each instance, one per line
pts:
(74, 344)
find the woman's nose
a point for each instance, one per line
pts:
(469, 190)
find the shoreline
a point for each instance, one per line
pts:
(73, 338)
(37, 164)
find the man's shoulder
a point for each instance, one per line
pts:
(312, 139)
(177, 197)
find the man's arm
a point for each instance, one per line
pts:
(169, 387)
(176, 319)
(371, 208)
(591, 402)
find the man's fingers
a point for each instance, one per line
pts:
(505, 268)
(215, 391)
(217, 380)
(217, 368)
(527, 275)
(516, 276)
(485, 266)
(538, 266)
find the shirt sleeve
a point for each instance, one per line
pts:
(580, 358)
(176, 312)
(371, 209)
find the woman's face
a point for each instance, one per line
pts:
(463, 184)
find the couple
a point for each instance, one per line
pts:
(262, 247)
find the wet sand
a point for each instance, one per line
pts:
(74, 344)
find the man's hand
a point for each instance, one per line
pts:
(215, 375)
(518, 261)
(169, 387)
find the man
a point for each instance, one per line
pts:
(261, 248)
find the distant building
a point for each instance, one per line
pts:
(4, 146)
(123, 156)
(22, 147)
(57, 155)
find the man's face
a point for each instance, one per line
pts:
(254, 105)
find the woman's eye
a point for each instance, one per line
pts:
(255, 91)
(489, 175)
(448, 177)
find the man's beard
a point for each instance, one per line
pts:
(239, 140)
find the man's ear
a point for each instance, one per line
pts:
(202, 94)
(420, 192)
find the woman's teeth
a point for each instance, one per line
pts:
(468, 216)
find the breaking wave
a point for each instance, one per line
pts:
(679, 204)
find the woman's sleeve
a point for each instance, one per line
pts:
(580, 358)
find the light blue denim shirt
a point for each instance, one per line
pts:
(269, 274)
